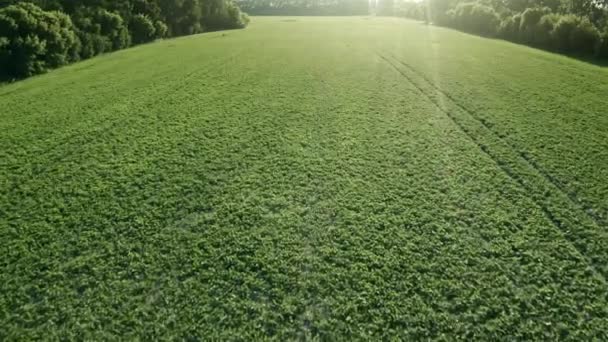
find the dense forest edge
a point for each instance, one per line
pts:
(40, 35)
(306, 7)
(573, 27)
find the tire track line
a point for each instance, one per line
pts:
(503, 165)
(584, 207)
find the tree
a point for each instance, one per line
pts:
(528, 27)
(149, 8)
(438, 11)
(43, 34)
(182, 17)
(475, 18)
(142, 29)
(100, 31)
(160, 29)
(33, 41)
(576, 34)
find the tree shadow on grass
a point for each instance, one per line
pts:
(586, 59)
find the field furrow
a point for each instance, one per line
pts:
(547, 108)
(577, 226)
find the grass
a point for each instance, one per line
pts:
(307, 178)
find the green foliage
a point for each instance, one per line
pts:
(575, 34)
(182, 17)
(585, 37)
(579, 7)
(225, 16)
(519, 6)
(150, 9)
(536, 25)
(529, 30)
(33, 41)
(142, 29)
(101, 26)
(543, 32)
(305, 7)
(509, 28)
(236, 19)
(475, 18)
(160, 29)
(100, 31)
(244, 19)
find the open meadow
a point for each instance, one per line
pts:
(328, 178)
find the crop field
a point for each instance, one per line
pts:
(307, 178)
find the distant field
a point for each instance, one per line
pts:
(307, 178)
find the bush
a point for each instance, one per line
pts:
(100, 31)
(182, 17)
(585, 37)
(474, 18)
(561, 33)
(34, 37)
(575, 34)
(542, 32)
(244, 21)
(33, 41)
(227, 17)
(142, 29)
(160, 29)
(509, 28)
(528, 27)
(236, 19)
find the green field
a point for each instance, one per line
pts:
(307, 178)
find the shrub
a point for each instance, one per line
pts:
(542, 32)
(474, 18)
(244, 21)
(509, 28)
(575, 34)
(100, 31)
(528, 27)
(227, 17)
(33, 41)
(182, 17)
(531, 16)
(142, 29)
(563, 29)
(160, 29)
(585, 37)
(235, 17)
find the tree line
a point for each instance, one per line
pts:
(578, 27)
(38, 35)
(305, 7)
